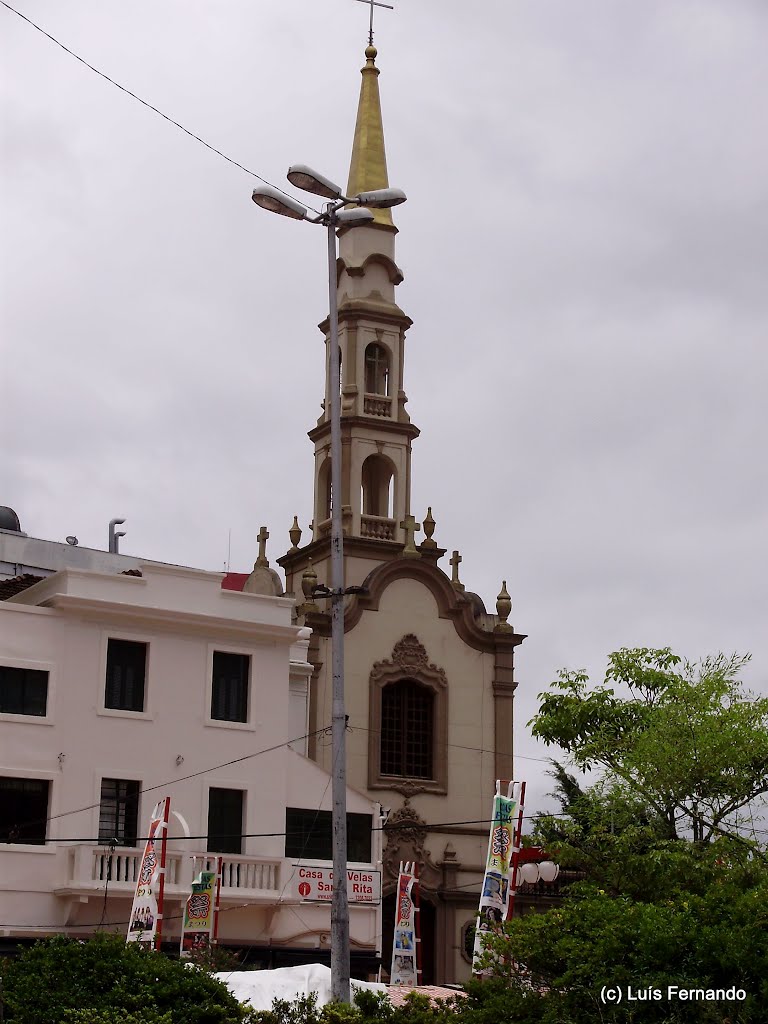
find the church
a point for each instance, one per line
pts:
(429, 672)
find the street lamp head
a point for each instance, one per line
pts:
(274, 201)
(310, 181)
(381, 198)
(354, 216)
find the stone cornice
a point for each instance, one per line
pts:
(355, 310)
(450, 603)
(317, 550)
(184, 622)
(377, 423)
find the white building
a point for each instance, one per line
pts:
(117, 689)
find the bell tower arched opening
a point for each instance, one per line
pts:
(376, 369)
(376, 487)
(324, 492)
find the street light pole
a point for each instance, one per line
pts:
(340, 904)
(332, 218)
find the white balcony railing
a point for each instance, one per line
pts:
(256, 879)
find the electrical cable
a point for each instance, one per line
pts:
(317, 732)
(97, 841)
(145, 103)
(170, 782)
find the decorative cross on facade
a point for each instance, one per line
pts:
(456, 560)
(374, 3)
(410, 526)
(262, 537)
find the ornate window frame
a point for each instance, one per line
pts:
(409, 661)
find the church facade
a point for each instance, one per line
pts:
(429, 672)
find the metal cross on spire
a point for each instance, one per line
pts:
(374, 3)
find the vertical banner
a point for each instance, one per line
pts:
(404, 956)
(199, 923)
(514, 869)
(494, 897)
(145, 923)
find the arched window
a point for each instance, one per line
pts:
(408, 722)
(407, 730)
(324, 491)
(376, 370)
(376, 480)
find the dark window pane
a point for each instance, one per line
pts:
(407, 724)
(119, 811)
(23, 691)
(225, 820)
(126, 670)
(308, 835)
(23, 810)
(229, 693)
(359, 837)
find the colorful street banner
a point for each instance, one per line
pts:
(502, 846)
(198, 925)
(406, 937)
(145, 923)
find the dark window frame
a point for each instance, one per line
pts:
(223, 836)
(119, 811)
(308, 835)
(407, 747)
(23, 688)
(230, 687)
(24, 809)
(124, 691)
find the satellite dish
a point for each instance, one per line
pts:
(72, 541)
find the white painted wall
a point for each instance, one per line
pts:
(62, 625)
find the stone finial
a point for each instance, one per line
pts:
(503, 607)
(429, 529)
(308, 583)
(410, 526)
(456, 560)
(295, 534)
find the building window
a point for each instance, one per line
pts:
(23, 810)
(126, 674)
(407, 737)
(119, 811)
(309, 836)
(23, 691)
(376, 370)
(408, 722)
(225, 820)
(229, 691)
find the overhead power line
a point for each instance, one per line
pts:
(172, 782)
(144, 102)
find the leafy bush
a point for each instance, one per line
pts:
(116, 1017)
(111, 981)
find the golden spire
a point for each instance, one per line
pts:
(368, 167)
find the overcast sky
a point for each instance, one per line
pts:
(585, 248)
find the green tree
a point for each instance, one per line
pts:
(675, 889)
(686, 740)
(111, 980)
(717, 940)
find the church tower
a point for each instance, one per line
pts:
(376, 429)
(429, 672)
